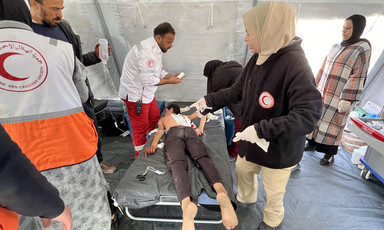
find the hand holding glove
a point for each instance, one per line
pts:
(344, 106)
(199, 115)
(249, 134)
(199, 104)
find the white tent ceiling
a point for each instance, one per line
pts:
(205, 30)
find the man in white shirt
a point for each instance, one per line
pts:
(142, 73)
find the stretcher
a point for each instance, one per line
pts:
(157, 189)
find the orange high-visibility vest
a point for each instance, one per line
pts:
(40, 107)
(8, 220)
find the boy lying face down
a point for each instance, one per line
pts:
(180, 136)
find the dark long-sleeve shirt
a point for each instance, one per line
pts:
(65, 33)
(224, 76)
(22, 187)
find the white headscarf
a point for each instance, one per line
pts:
(272, 25)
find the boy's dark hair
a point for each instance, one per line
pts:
(163, 29)
(176, 108)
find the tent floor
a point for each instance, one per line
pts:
(318, 197)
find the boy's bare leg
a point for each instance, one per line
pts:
(228, 214)
(189, 212)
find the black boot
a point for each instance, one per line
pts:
(327, 160)
(310, 145)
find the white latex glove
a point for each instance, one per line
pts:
(344, 106)
(199, 115)
(152, 131)
(185, 109)
(249, 134)
(199, 104)
(212, 117)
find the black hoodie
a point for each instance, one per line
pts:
(280, 99)
(224, 76)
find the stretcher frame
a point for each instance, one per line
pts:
(166, 200)
(169, 220)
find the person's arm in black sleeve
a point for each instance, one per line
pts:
(305, 106)
(90, 58)
(87, 59)
(22, 187)
(226, 96)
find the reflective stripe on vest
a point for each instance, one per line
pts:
(40, 107)
(138, 148)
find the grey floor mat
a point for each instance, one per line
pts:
(317, 198)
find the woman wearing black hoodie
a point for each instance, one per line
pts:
(279, 105)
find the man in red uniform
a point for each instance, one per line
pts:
(142, 73)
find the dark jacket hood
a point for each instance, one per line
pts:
(15, 10)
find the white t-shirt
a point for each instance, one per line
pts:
(182, 120)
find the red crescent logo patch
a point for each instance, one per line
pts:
(22, 67)
(266, 100)
(150, 64)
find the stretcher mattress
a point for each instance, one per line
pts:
(136, 194)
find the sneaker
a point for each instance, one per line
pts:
(264, 226)
(327, 160)
(107, 167)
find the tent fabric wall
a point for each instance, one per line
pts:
(205, 30)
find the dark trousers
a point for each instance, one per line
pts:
(90, 111)
(327, 149)
(177, 140)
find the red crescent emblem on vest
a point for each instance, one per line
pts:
(3, 72)
(26, 71)
(150, 64)
(266, 100)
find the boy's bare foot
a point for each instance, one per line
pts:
(189, 212)
(228, 214)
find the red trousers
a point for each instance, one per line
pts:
(142, 123)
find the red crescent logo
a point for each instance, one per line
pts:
(266, 100)
(25, 71)
(3, 72)
(150, 64)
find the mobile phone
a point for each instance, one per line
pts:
(181, 75)
(139, 106)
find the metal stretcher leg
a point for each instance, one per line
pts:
(174, 220)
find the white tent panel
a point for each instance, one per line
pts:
(205, 30)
